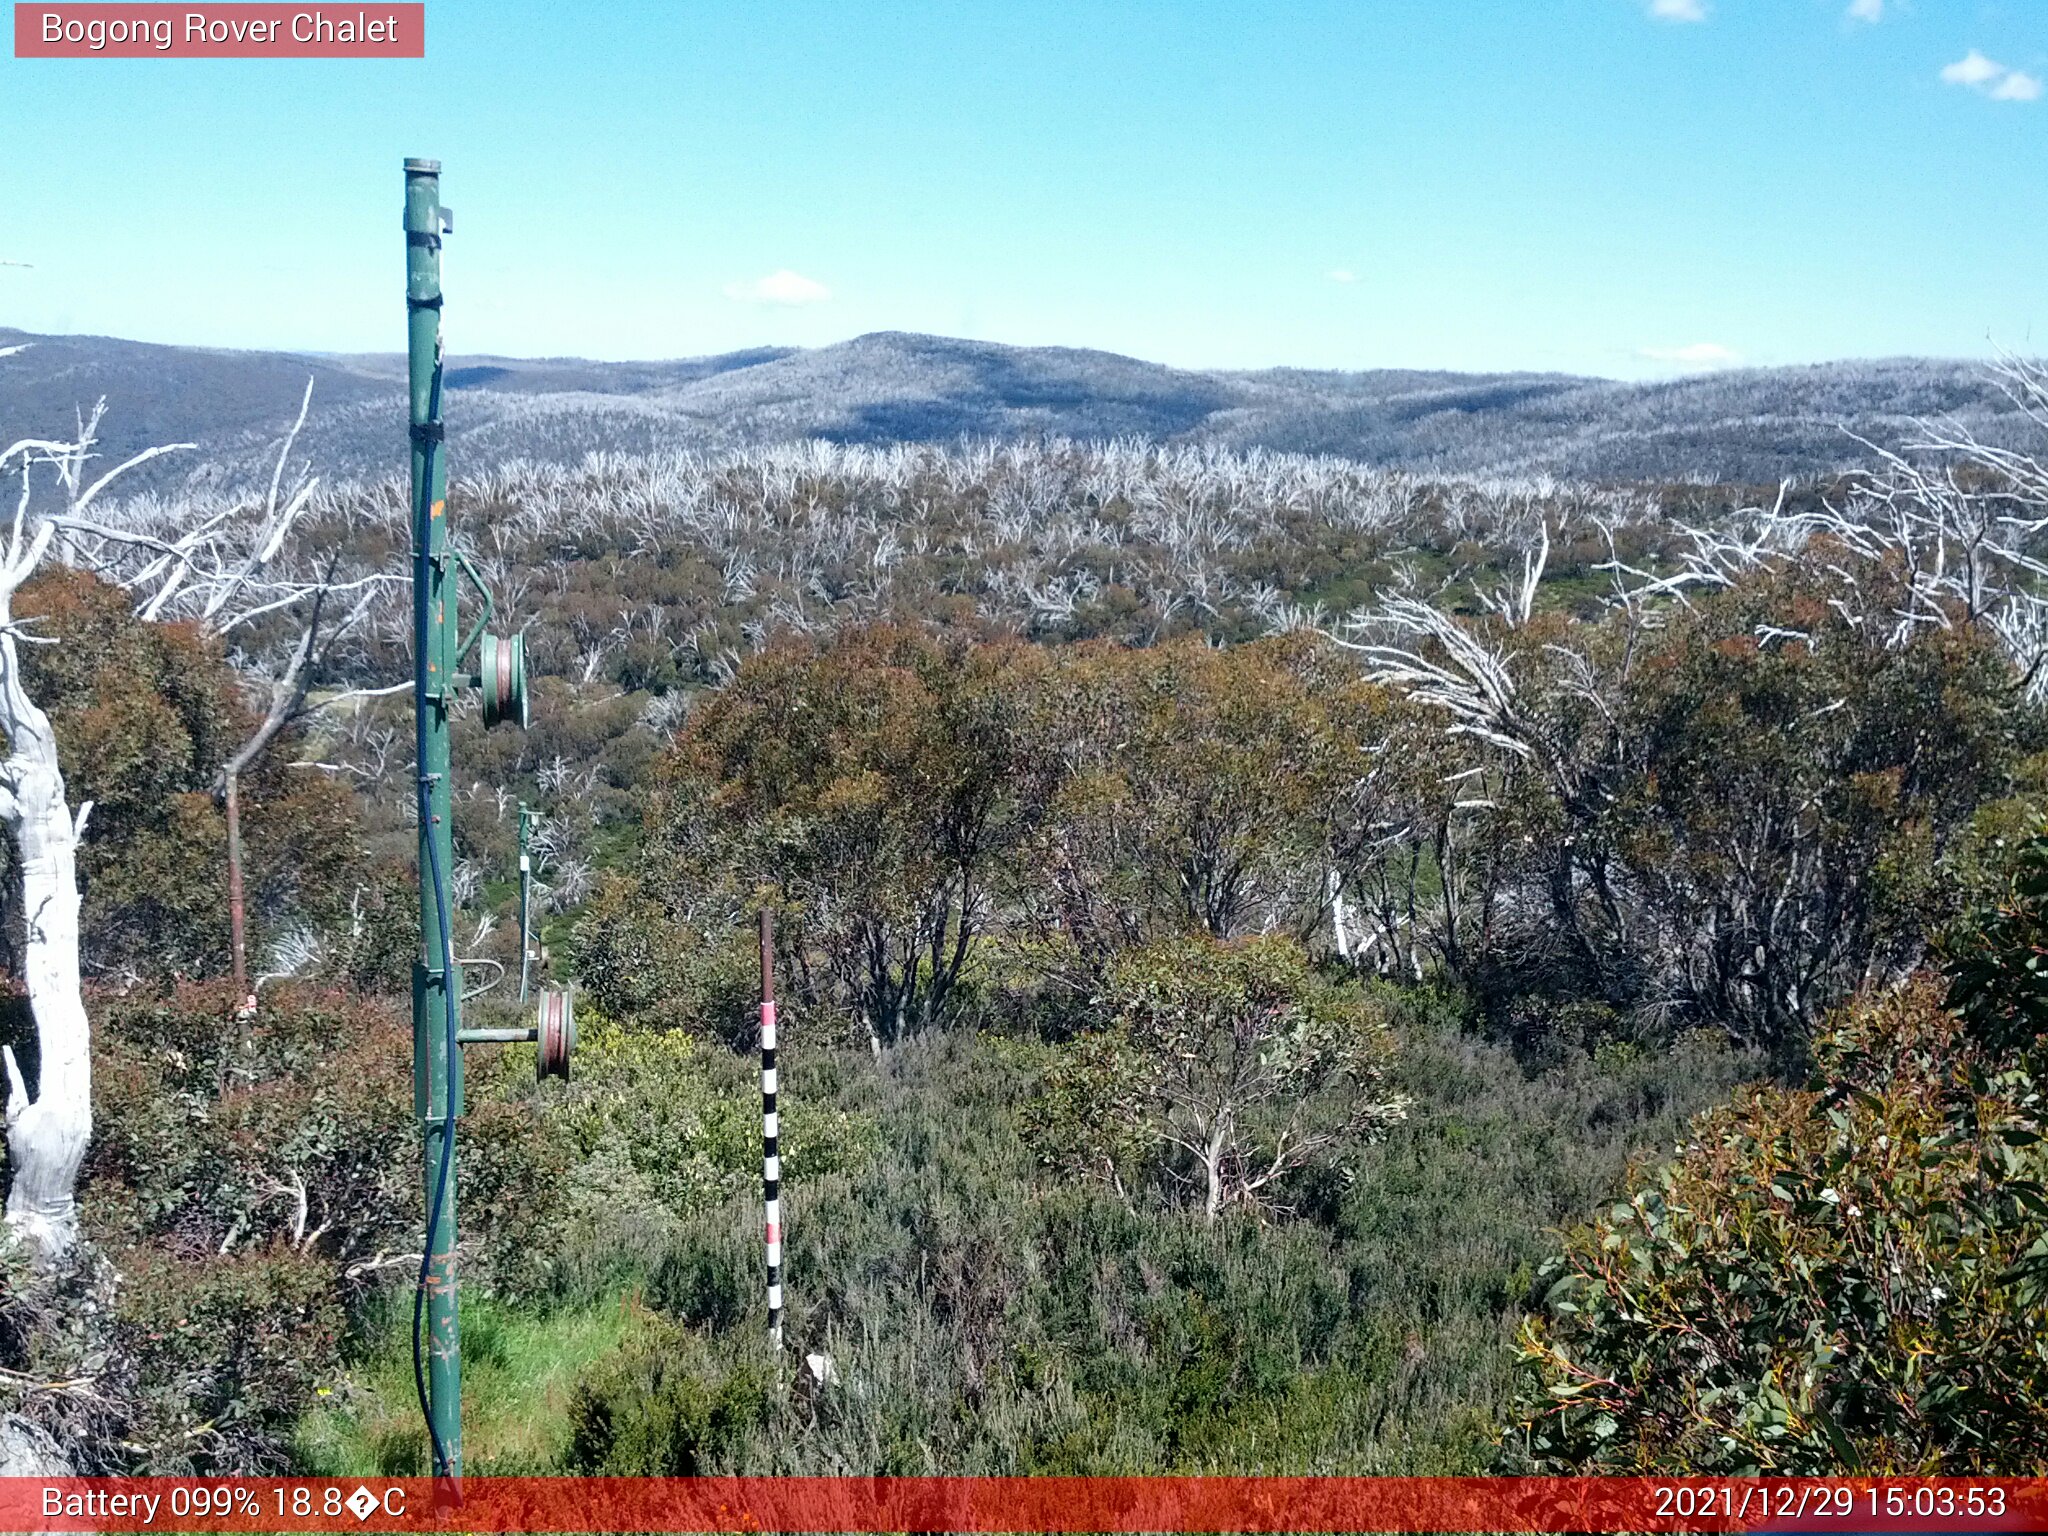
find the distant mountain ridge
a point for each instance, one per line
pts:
(1748, 425)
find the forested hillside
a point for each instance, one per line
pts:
(1285, 965)
(1743, 425)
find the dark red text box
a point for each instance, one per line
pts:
(372, 30)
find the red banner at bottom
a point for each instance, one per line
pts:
(762, 1504)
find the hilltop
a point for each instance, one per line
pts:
(1749, 425)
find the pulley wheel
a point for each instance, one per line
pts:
(501, 679)
(557, 1037)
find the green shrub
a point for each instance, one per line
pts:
(1995, 958)
(1228, 1068)
(377, 950)
(224, 1354)
(984, 1319)
(711, 1276)
(247, 1183)
(638, 964)
(295, 1127)
(659, 1121)
(659, 1408)
(145, 714)
(1852, 1277)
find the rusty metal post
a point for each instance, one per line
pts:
(238, 920)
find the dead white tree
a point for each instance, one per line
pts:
(49, 1122)
(219, 568)
(1945, 533)
(47, 1129)
(225, 572)
(1962, 522)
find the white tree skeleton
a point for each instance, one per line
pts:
(215, 572)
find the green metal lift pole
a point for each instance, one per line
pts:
(437, 982)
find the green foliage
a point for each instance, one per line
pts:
(1998, 960)
(1229, 1067)
(870, 783)
(247, 1181)
(1704, 836)
(595, 733)
(903, 799)
(295, 1127)
(180, 1362)
(1675, 825)
(1074, 847)
(657, 1409)
(226, 1353)
(633, 959)
(982, 1321)
(981, 1318)
(1092, 1112)
(638, 963)
(657, 1122)
(1187, 788)
(708, 1276)
(376, 951)
(215, 1133)
(145, 714)
(1852, 1277)
(1787, 807)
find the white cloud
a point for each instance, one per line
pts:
(1679, 10)
(1973, 70)
(1866, 10)
(2017, 86)
(785, 287)
(1342, 275)
(1700, 354)
(1990, 78)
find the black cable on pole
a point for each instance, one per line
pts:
(447, 1163)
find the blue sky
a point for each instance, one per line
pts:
(1623, 187)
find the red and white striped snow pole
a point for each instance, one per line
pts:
(771, 1159)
